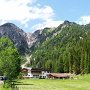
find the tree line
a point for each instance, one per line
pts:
(68, 51)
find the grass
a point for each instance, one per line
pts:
(81, 83)
(1, 88)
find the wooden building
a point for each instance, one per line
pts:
(59, 75)
(35, 72)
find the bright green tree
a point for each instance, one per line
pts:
(9, 59)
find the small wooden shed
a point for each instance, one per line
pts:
(59, 75)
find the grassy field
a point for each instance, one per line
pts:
(81, 83)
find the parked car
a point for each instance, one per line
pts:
(3, 78)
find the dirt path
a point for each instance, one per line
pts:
(28, 61)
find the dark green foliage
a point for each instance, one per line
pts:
(67, 51)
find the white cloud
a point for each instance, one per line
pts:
(23, 11)
(2, 22)
(83, 20)
(14, 10)
(27, 10)
(49, 23)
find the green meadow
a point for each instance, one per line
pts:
(78, 83)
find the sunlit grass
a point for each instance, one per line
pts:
(79, 83)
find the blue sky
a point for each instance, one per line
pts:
(31, 15)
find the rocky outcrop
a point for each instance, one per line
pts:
(32, 38)
(17, 35)
(27, 42)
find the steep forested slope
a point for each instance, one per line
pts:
(67, 49)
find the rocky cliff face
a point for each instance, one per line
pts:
(39, 36)
(23, 41)
(17, 35)
(32, 38)
(29, 41)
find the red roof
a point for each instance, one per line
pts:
(60, 75)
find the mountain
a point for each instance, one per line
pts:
(17, 35)
(64, 49)
(25, 42)
(38, 37)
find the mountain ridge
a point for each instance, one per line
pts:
(62, 49)
(16, 34)
(30, 41)
(65, 51)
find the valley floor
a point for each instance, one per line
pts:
(79, 83)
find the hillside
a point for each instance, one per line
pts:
(17, 35)
(25, 42)
(62, 49)
(67, 49)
